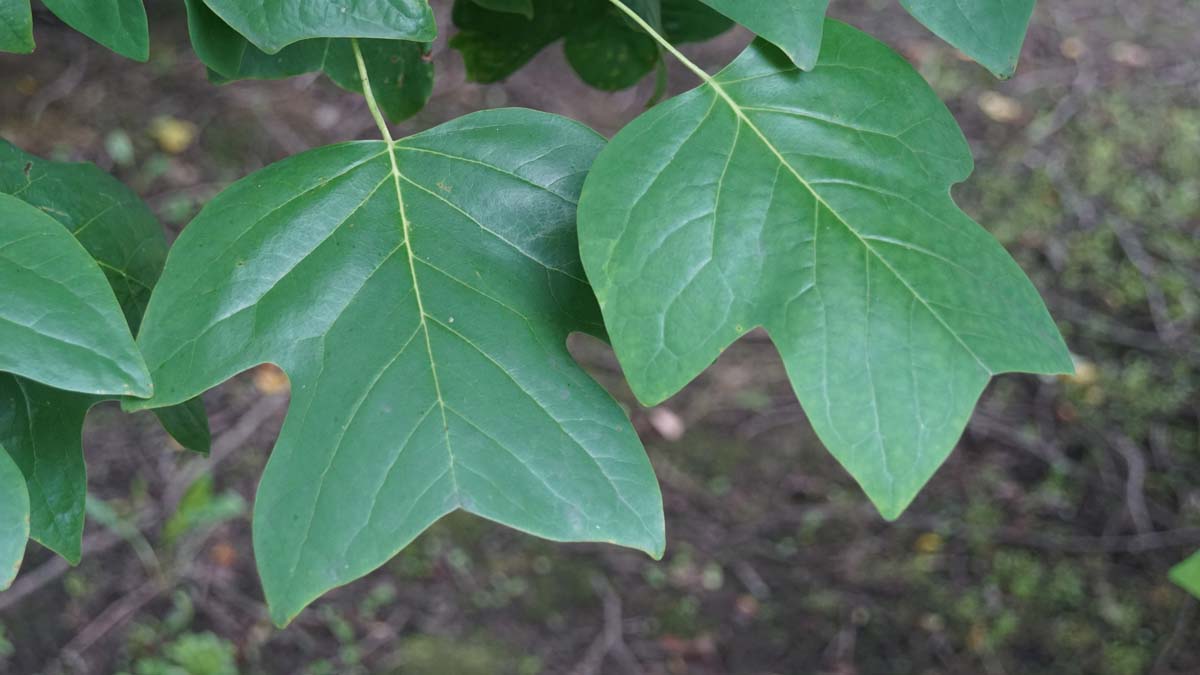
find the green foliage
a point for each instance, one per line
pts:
(890, 307)
(119, 25)
(420, 292)
(422, 318)
(14, 518)
(400, 70)
(1187, 575)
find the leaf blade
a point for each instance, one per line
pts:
(794, 26)
(14, 519)
(274, 24)
(825, 217)
(429, 371)
(119, 25)
(989, 31)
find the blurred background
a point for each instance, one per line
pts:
(1042, 546)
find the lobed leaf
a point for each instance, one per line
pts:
(274, 24)
(14, 519)
(419, 296)
(816, 205)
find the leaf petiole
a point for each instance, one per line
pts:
(368, 94)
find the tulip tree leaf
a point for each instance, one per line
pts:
(59, 321)
(401, 70)
(119, 25)
(989, 31)
(120, 233)
(41, 426)
(1187, 575)
(16, 26)
(274, 24)
(14, 518)
(419, 296)
(603, 48)
(794, 26)
(817, 205)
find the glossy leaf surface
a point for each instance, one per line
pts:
(59, 322)
(40, 427)
(420, 303)
(16, 26)
(119, 25)
(120, 233)
(274, 24)
(989, 31)
(816, 205)
(401, 70)
(794, 26)
(14, 519)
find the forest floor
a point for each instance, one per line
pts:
(1042, 546)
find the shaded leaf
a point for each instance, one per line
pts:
(816, 205)
(605, 50)
(522, 7)
(419, 297)
(40, 427)
(14, 519)
(401, 70)
(989, 31)
(119, 25)
(274, 24)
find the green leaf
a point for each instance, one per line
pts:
(14, 519)
(419, 298)
(120, 233)
(692, 21)
(401, 70)
(794, 26)
(59, 322)
(40, 427)
(119, 25)
(1187, 575)
(522, 7)
(188, 424)
(274, 24)
(603, 48)
(989, 31)
(16, 26)
(816, 205)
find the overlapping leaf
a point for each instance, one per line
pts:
(816, 205)
(602, 46)
(14, 518)
(989, 31)
(274, 24)
(119, 25)
(40, 425)
(419, 296)
(401, 70)
(794, 26)
(121, 235)
(59, 321)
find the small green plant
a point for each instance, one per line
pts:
(419, 291)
